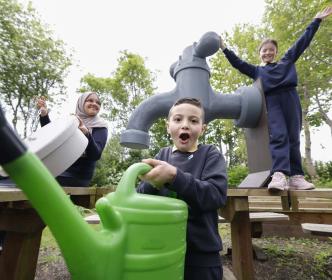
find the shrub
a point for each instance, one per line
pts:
(236, 174)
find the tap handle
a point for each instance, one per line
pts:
(207, 45)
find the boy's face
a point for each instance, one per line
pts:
(185, 125)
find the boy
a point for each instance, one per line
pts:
(196, 174)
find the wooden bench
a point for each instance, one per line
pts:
(311, 206)
(317, 229)
(258, 218)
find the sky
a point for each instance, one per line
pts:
(157, 30)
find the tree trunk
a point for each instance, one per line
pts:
(311, 170)
(325, 117)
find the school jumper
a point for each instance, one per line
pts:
(201, 182)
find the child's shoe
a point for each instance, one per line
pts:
(278, 182)
(298, 182)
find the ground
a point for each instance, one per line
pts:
(287, 258)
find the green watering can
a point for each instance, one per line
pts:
(143, 237)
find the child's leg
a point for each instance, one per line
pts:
(202, 272)
(293, 117)
(279, 146)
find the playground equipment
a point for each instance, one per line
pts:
(246, 106)
(142, 236)
(191, 74)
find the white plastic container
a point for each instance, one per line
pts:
(58, 144)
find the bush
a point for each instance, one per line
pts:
(236, 174)
(324, 173)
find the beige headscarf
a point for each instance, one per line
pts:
(89, 122)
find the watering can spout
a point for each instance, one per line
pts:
(142, 236)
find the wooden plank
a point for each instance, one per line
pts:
(19, 256)
(317, 229)
(255, 192)
(16, 194)
(79, 190)
(317, 193)
(254, 217)
(92, 219)
(11, 194)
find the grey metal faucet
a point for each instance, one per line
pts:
(192, 74)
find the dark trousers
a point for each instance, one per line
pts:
(285, 121)
(203, 273)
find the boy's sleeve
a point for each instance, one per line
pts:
(244, 67)
(295, 51)
(97, 142)
(146, 188)
(210, 192)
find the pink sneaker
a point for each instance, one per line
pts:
(298, 182)
(278, 182)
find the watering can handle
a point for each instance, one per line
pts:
(11, 146)
(127, 183)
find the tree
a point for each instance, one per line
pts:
(31, 62)
(121, 93)
(226, 79)
(128, 86)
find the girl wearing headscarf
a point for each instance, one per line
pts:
(80, 173)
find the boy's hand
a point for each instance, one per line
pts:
(161, 173)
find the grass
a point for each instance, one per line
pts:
(287, 258)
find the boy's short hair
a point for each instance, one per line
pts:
(189, 100)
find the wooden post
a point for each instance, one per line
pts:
(242, 251)
(23, 229)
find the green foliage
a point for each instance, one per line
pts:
(236, 174)
(128, 86)
(121, 93)
(324, 172)
(114, 161)
(31, 62)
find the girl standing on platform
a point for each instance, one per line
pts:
(279, 81)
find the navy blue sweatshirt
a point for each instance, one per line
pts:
(201, 182)
(82, 169)
(276, 77)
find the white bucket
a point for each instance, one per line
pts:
(58, 144)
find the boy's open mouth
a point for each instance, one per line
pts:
(184, 136)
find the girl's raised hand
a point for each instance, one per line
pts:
(81, 126)
(325, 13)
(42, 107)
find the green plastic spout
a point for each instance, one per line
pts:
(89, 254)
(142, 236)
